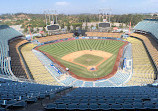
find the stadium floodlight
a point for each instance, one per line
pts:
(105, 12)
(51, 18)
(51, 15)
(104, 15)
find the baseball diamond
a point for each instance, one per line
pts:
(85, 55)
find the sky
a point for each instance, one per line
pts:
(78, 6)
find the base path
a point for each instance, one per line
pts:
(72, 56)
(119, 55)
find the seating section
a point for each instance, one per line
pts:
(6, 33)
(151, 45)
(104, 34)
(18, 94)
(148, 25)
(86, 95)
(38, 71)
(108, 98)
(143, 71)
(16, 60)
(69, 35)
(54, 37)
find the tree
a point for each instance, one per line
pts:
(86, 28)
(62, 25)
(37, 29)
(22, 26)
(25, 30)
(81, 27)
(92, 26)
(97, 26)
(44, 29)
(68, 26)
(31, 29)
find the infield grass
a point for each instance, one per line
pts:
(88, 60)
(58, 50)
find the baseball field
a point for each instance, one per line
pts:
(86, 58)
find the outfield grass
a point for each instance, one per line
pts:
(58, 50)
(88, 60)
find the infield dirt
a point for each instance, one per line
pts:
(72, 56)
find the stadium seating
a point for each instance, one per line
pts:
(18, 94)
(108, 98)
(38, 71)
(105, 94)
(16, 60)
(104, 34)
(148, 25)
(151, 45)
(94, 34)
(6, 33)
(143, 71)
(54, 37)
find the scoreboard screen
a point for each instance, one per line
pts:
(104, 25)
(52, 27)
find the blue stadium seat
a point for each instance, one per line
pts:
(138, 105)
(93, 106)
(72, 106)
(51, 106)
(127, 106)
(149, 105)
(61, 106)
(83, 106)
(104, 106)
(116, 106)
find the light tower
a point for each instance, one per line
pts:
(104, 14)
(51, 20)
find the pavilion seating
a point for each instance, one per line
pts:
(54, 37)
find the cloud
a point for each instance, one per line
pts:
(62, 3)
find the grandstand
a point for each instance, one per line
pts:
(146, 31)
(151, 45)
(17, 65)
(143, 71)
(6, 33)
(29, 80)
(103, 34)
(149, 26)
(54, 37)
(37, 70)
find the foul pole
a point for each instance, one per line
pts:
(130, 28)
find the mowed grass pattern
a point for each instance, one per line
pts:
(58, 50)
(88, 60)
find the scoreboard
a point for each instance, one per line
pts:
(52, 27)
(104, 25)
